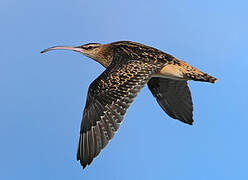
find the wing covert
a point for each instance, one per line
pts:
(109, 96)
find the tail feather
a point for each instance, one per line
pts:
(192, 73)
(201, 77)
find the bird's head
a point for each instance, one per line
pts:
(94, 51)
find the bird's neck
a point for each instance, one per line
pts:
(104, 56)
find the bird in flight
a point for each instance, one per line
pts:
(129, 66)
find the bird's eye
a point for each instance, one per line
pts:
(90, 47)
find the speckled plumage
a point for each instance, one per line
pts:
(129, 66)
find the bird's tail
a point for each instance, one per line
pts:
(192, 73)
(201, 77)
(180, 70)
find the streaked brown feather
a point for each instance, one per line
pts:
(129, 66)
(109, 96)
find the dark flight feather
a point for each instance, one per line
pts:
(174, 98)
(108, 98)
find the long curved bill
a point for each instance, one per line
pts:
(77, 49)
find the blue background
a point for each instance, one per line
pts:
(43, 95)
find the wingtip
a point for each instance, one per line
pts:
(83, 164)
(189, 122)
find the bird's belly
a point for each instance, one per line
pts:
(171, 71)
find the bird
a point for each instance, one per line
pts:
(129, 66)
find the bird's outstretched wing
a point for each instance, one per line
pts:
(174, 97)
(108, 98)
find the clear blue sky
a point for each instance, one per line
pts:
(42, 95)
